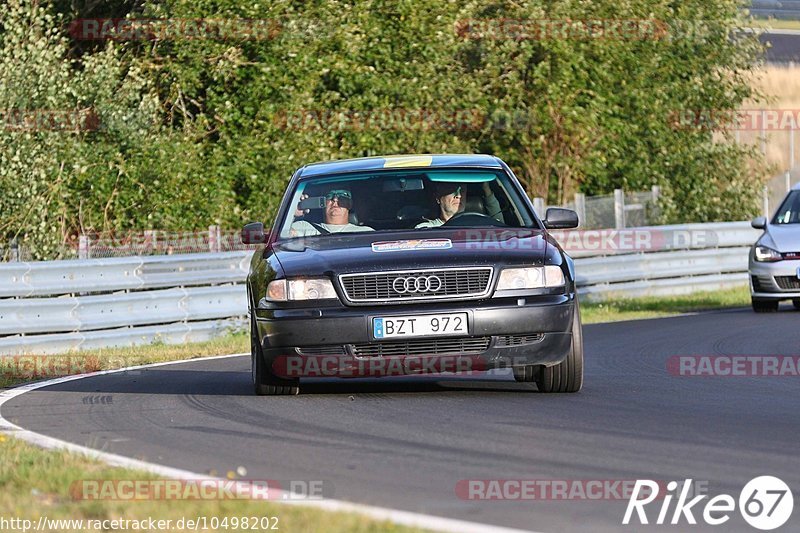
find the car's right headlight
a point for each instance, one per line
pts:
(767, 255)
(530, 278)
(282, 290)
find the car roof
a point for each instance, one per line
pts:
(400, 161)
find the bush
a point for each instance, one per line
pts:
(183, 133)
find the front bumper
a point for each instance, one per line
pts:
(764, 284)
(543, 322)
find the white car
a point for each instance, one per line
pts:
(775, 257)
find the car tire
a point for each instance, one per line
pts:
(566, 376)
(764, 306)
(264, 382)
(796, 303)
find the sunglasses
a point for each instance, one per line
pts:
(455, 190)
(343, 198)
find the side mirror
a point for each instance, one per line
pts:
(558, 218)
(253, 233)
(759, 222)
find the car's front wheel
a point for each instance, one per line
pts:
(764, 306)
(566, 376)
(264, 382)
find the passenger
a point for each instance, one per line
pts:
(338, 203)
(452, 199)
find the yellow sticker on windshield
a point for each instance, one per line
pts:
(408, 161)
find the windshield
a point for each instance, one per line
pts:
(418, 200)
(789, 212)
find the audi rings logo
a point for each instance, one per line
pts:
(416, 284)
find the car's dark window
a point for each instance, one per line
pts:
(406, 200)
(789, 212)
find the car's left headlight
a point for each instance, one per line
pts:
(282, 290)
(767, 255)
(531, 278)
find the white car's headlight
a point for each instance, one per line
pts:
(282, 290)
(531, 278)
(765, 255)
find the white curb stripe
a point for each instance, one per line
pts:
(405, 518)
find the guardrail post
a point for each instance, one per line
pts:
(580, 207)
(83, 247)
(655, 192)
(14, 257)
(765, 201)
(788, 177)
(150, 240)
(538, 206)
(791, 144)
(619, 208)
(763, 133)
(214, 237)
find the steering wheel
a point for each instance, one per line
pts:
(472, 218)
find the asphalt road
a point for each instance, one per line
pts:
(405, 443)
(784, 46)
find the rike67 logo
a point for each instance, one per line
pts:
(765, 503)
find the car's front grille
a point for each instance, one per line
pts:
(416, 285)
(788, 282)
(518, 340)
(422, 347)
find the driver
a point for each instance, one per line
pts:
(452, 200)
(338, 203)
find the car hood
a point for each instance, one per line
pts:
(783, 238)
(406, 251)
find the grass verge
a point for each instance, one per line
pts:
(776, 24)
(20, 369)
(37, 483)
(659, 307)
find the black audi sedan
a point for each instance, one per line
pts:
(412, 264)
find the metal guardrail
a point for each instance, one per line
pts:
(674, 260)
(779, 9)
(57, 306)
(47, 278)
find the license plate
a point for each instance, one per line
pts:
(420, 325)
